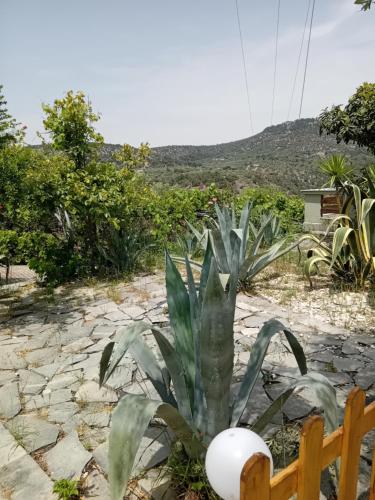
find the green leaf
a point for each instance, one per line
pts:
(339, 239)
(130, 420)
(104, 361)
(174, 366)
(324, 396)
(257, 355)
(180, 319)
(217, 351)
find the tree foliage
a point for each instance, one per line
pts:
(69, 123)
(354, 122)
(10, 131)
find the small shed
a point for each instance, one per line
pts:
(321, 206)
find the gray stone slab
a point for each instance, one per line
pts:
(103, 331)
(96, 415)
(48, 398)
(48, 371)
(96, 486)
(77, 345)
(254, 321)
(10, 450)
(67, 459)
(365, 378)
(7, 376)
(9, 400)
(25, 479)
(347, 364)
(62, 412)
(100, 455)
(349, 347)
(32, 432)
(31, 382)
(122, 376)
(322, 357)
(64, 380)
(41, 357)
(132, 311)
(90, 392)
(10, 359)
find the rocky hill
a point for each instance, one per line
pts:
(285, 155)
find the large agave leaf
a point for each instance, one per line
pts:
(225, 224)
(130, 339)
(199, 409)
(323, 391)
(339, 240)
(244, 226)
(130, 420)
(311, 264)
(221, 250)
(111, 357)
(173, 363)
(217, 352)
(258, 352)
(180, 319)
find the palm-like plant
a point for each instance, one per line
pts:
(258, 247)
(352, 254)
(337, 169)
(197, 400)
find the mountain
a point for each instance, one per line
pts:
(286, 156)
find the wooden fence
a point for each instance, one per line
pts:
(302, 477)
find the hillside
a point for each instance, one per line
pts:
(285, 155)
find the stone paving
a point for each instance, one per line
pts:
(54, 419)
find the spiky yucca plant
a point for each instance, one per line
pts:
(195, 385)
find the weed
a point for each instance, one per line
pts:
(188, 477)
(284, 445)
(66, 489)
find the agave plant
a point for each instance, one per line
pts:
(254, 255)
(195, 382)
(352, 254)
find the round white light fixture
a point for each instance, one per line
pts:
(227, 454)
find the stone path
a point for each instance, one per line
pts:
(54, 419)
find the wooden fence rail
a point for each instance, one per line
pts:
(302, 477)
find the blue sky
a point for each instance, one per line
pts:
(170, 71)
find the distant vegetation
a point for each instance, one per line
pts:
(285, 156)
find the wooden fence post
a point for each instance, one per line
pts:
(372, 480)
(351, 445)
(255, 478)
(310, 459)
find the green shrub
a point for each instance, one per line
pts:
(54, 260)
(288, 208)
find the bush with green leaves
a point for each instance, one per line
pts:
(195, 381)
(8, 249)
(352, 254)
(288, 208)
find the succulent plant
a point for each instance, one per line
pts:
(195, 383)
(352, 253)
(259, 247)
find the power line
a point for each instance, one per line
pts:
(275, 62)
(244, 68)
(307, 58)
(299, 61)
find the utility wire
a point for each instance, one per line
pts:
(299, 61)
(307, 59)
(275, 62)
(244, 68)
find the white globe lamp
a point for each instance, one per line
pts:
(227, 454)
